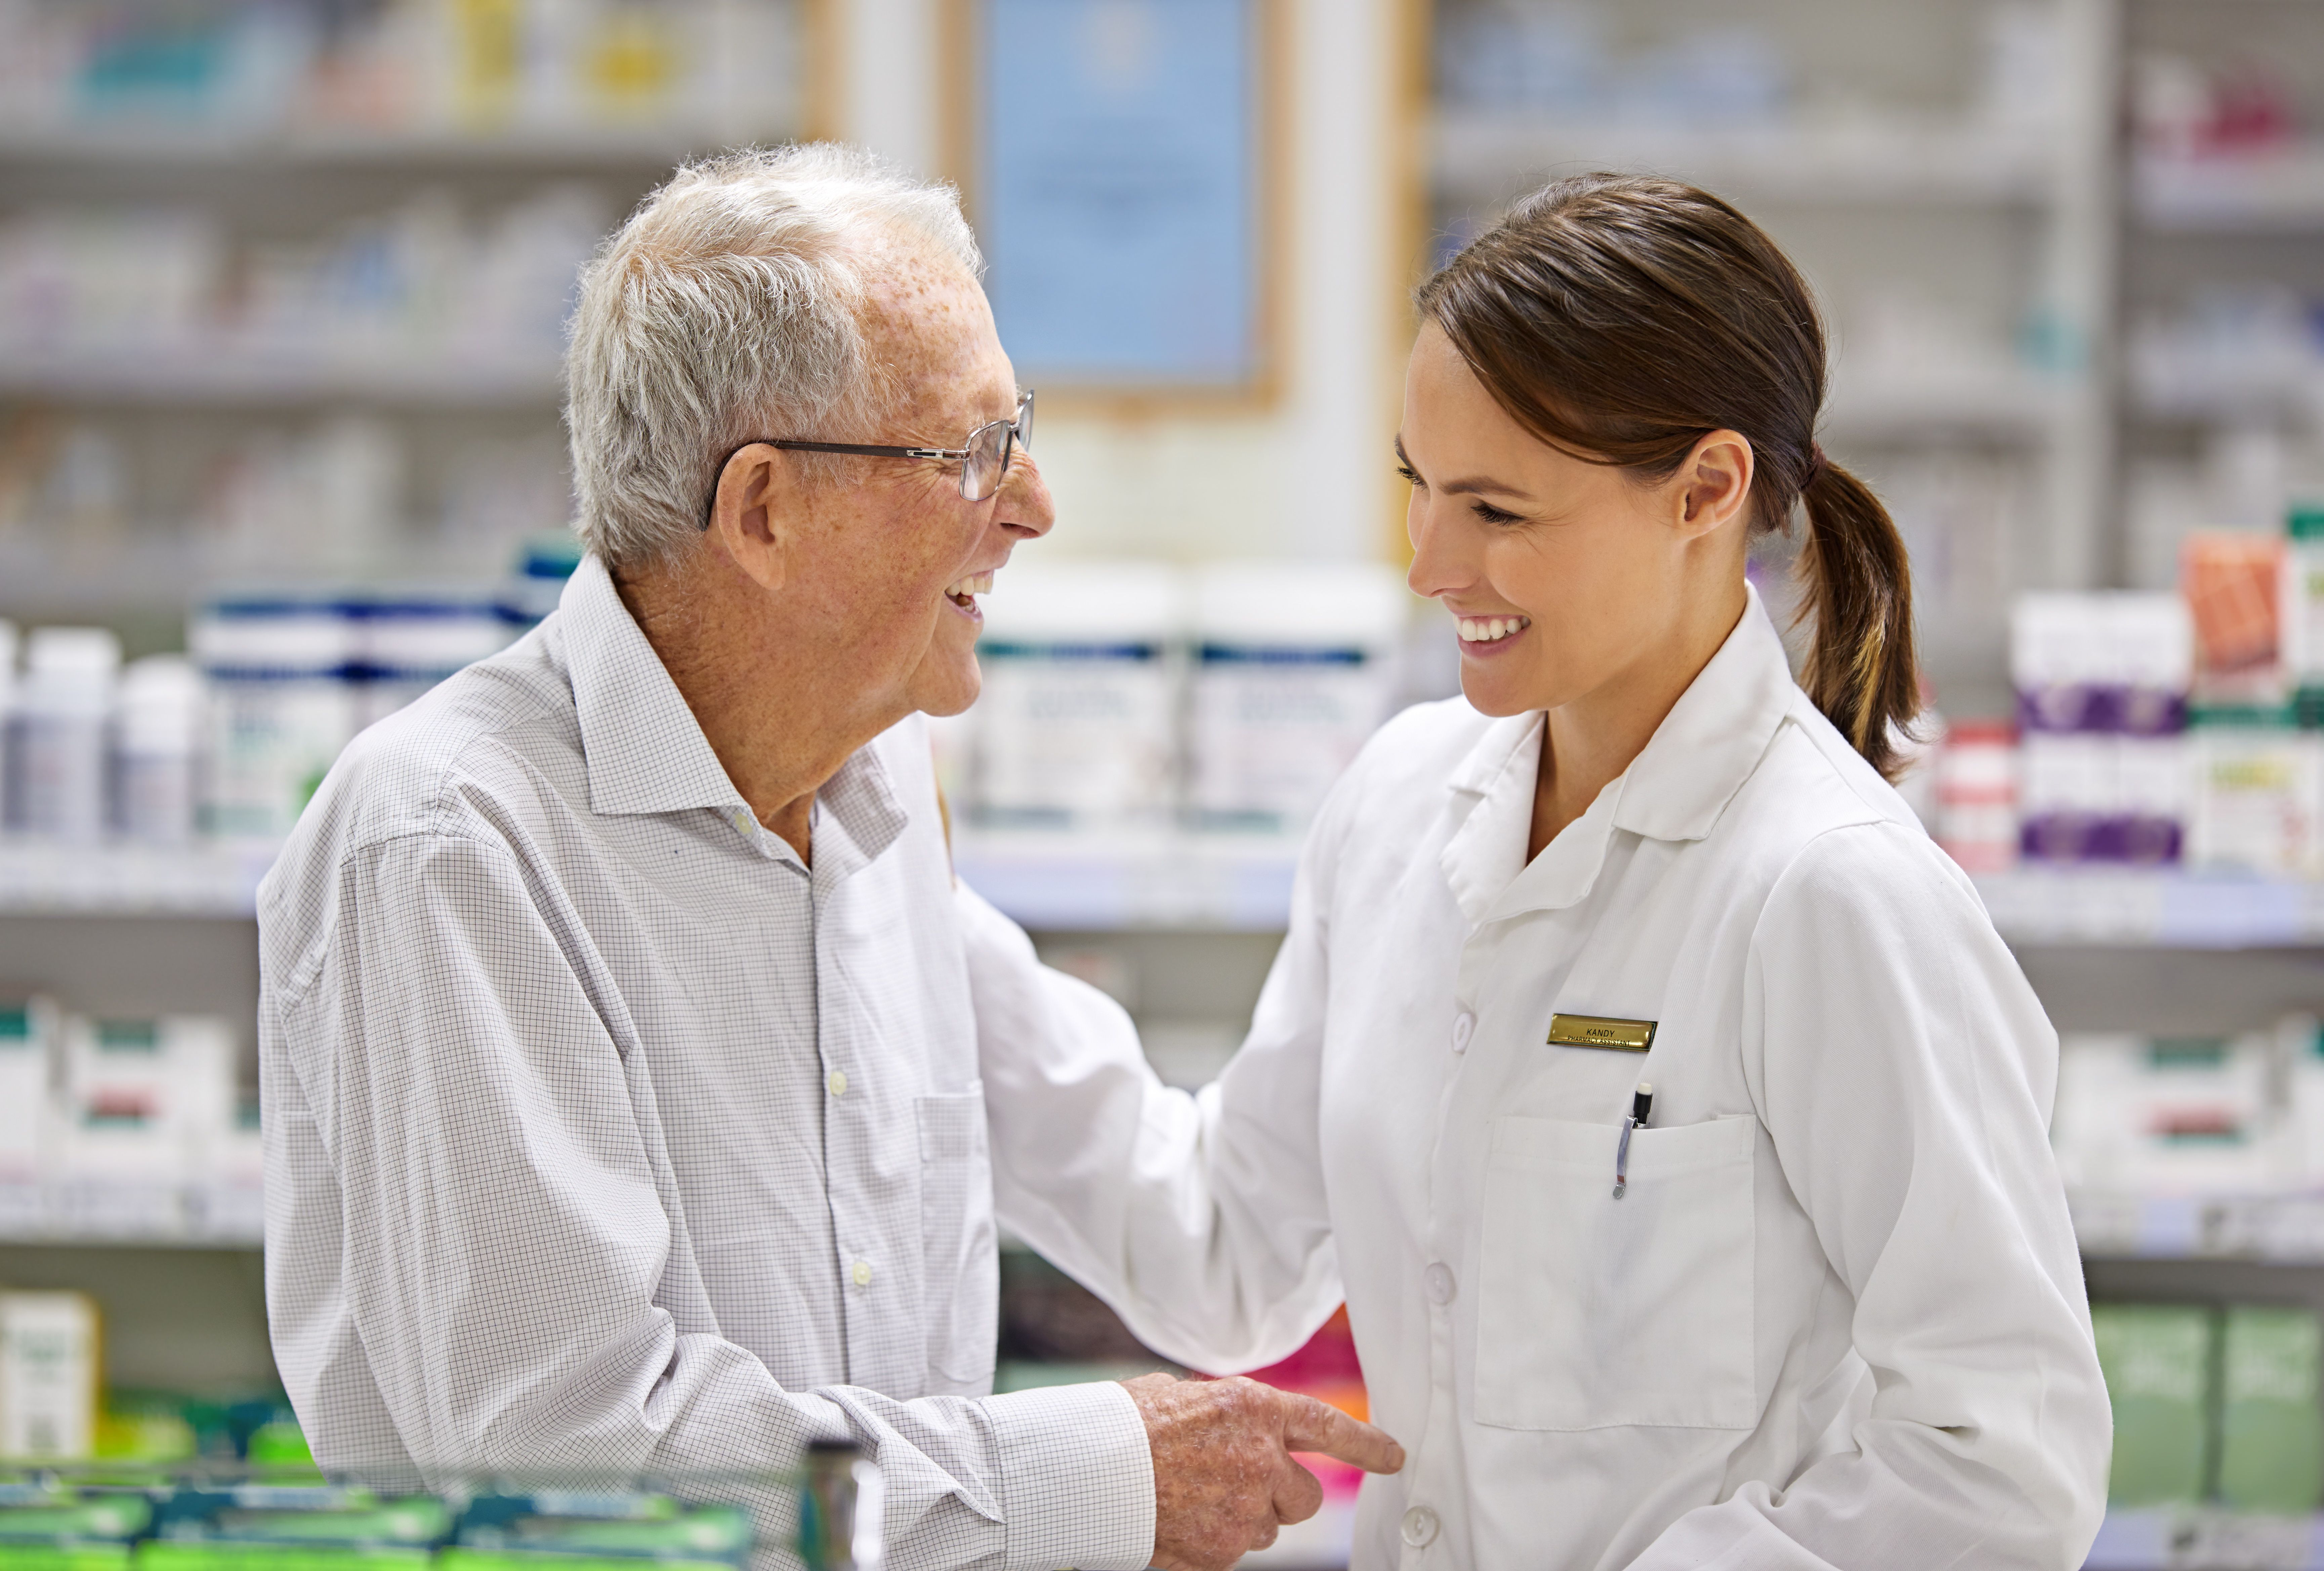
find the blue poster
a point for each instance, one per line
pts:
(1116, 189)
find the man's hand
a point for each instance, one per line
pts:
(1224, 1477)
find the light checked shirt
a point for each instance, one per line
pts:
(603, 1134)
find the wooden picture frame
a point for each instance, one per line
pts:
(1198, 205)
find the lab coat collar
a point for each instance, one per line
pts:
(1674, 790)
(644, 749)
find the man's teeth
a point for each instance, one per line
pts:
(975, 584)
(1486, 629)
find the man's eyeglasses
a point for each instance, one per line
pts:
(982, 456)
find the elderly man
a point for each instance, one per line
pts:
(623, 1108)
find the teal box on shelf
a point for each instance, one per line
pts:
(2270, 1430)
(2158, 1363)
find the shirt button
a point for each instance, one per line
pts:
(837, 1081)
(1464, 1026)
(1439, 1278)
(1419, 1527)
(863, 1273)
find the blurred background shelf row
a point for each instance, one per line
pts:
(281, 295)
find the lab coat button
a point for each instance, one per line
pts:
(1439, 1278)
(1464, 1026)
(1420, 1527)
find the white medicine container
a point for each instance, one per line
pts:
(1294, 666)
(58, 732)
(1074, 729)
(282, 672)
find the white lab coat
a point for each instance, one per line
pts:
(1836, 1320)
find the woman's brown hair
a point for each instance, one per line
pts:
(1622, 319)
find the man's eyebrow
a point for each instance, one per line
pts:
(1474, 485)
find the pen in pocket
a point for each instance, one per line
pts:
(1642, 1102)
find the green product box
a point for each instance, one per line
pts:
(2158, 1361)
(2271, 1431)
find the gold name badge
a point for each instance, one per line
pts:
(1591, 1030)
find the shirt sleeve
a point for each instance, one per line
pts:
(1200, 1218)
(503, 1226)
(1904, 1070)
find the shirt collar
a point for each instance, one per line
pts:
(645, 751)
(1675, 788)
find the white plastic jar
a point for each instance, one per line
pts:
(408, 642)
(57, 734)
(1075, 728)
(157, 749)
(283, 703)
(1295, 665)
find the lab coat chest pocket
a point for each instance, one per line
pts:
(1594, 1312)
(958, 1242)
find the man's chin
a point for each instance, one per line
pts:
(950, 691)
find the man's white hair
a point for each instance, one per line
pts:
(728, 308)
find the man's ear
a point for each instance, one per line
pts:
(1714, 482)
(753, 517)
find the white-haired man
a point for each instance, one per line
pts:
(622, 1088)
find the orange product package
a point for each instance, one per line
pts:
(2233, 584)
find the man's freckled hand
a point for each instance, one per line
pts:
(1224, 1478)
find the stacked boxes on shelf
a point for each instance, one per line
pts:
(120, 1126)
(1119, 694)
(2213, 1404)
(233, 742)
(2177, 1146)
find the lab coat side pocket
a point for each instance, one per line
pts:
(958, 1242)
(1594, 1312)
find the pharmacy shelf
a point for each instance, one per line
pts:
(234, 375)
(1486, 156)
(2158, 910)
(2278, 1229)
(2201, 1539)
(1156, 879)
(2282, 190)
(212, 879)
(160, 1215)
(241, 148)
(1995, 402)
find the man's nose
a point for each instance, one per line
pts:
(1025, 508)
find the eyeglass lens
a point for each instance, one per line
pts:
(989, 452)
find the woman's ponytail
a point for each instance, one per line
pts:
(1860, 669)
(1622, 319)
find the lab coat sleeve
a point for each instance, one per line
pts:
(1904, 1070)
(1200, 1218)
(499, 1236)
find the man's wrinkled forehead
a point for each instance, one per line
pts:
(926, 328)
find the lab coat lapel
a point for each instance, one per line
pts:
(1495, 781)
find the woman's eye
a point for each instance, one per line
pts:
(1492, 515)
(1408, 473)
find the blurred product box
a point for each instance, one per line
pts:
(28, 1048)
(2270, 1430)
(2234, 586)
(2157, 1360)
(2258, 785)
(1974, 795)
(1076, 724)
(406, 643)
(2102, 682)
(1293, 670)
(2170, 1116)
(49, 1361)
(147, 1099)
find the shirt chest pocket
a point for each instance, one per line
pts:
(1594, 1312)
(958, 1242)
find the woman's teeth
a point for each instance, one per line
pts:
(963, 591)
(1488, 629)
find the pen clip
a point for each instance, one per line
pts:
(1642, 1102)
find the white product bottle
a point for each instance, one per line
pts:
(157, 738)
(8, 712)
(1294, 668)
(48, 1375)
(282, 705)
(1075, 726)
(411, 641)
(57, 734)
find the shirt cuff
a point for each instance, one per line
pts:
(1076, 1478)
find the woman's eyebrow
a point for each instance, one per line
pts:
(1475, 484)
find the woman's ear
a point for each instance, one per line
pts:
(752, 517)
(1714, 482)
